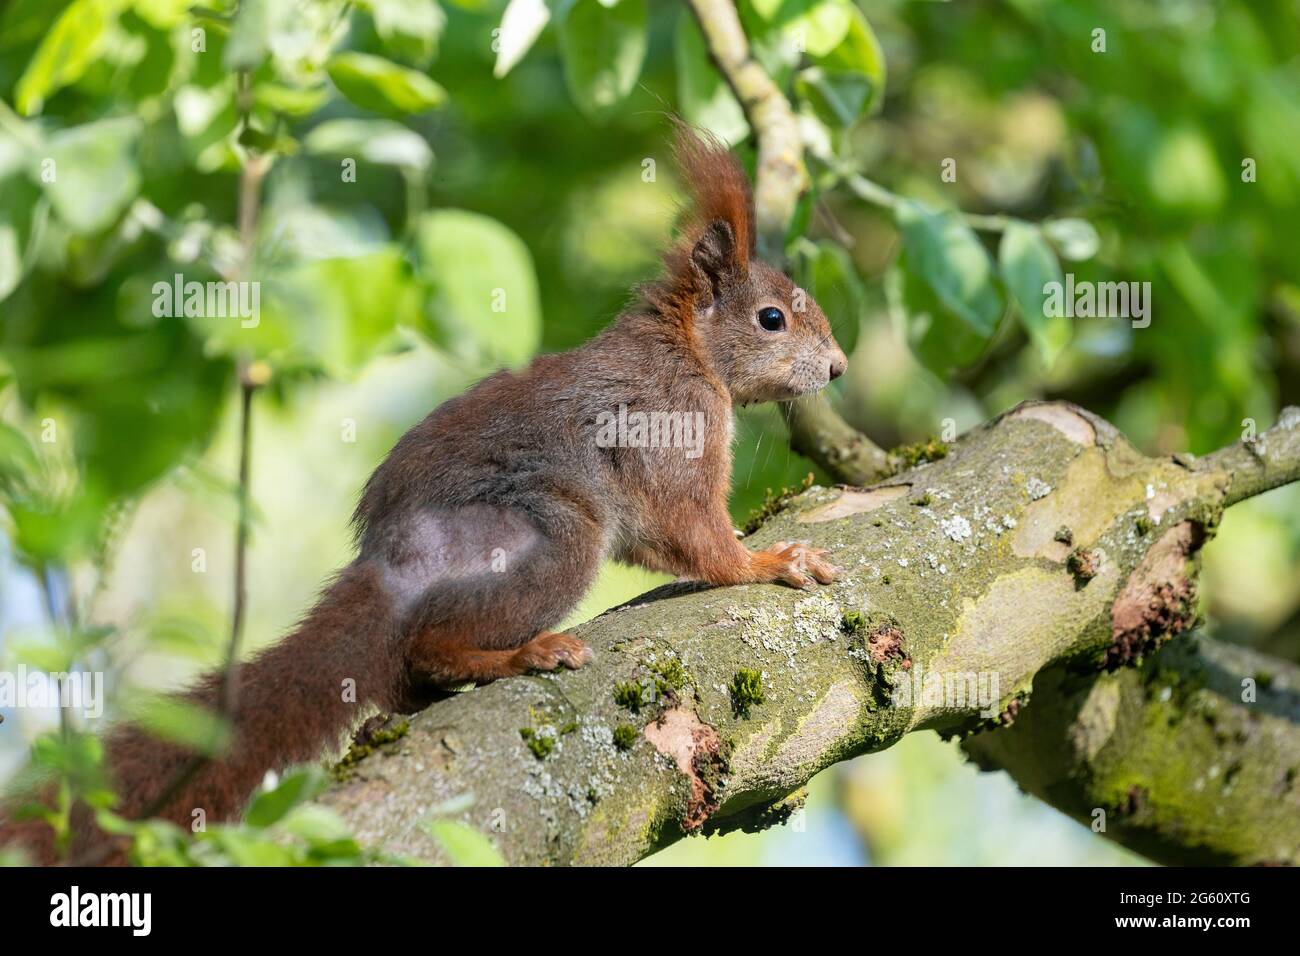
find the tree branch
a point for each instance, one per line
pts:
(1193, 758)
(956, 572)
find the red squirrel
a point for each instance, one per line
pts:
(489, 519)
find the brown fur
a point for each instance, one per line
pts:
(488, 521)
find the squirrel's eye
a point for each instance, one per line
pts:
(771, 319)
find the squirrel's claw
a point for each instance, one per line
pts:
(802, 566)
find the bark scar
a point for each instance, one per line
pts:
(700, 754)
(1158, 600)
(1064, 418)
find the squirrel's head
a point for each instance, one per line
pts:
(766, 339)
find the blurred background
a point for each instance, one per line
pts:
(419, 156)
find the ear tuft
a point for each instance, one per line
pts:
(719, 190)
(716, 233)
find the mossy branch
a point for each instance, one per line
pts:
(957, 581)
(1193, 758)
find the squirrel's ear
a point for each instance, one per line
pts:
(714, 255)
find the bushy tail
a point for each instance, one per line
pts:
(293, 700)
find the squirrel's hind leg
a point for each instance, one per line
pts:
(449, 659)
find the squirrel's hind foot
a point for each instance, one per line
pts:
(549, 650)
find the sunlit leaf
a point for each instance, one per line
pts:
(375, 141)
(604, 46)
(1074, 239)
(383, 86)
(944, 283)
(484, 285)
(270, 806)
(256, 24)
(65, 53)
(464, 845)
(182, 722)
(848, 82)
(409, 28)
(1028, 265)
(521, 25)
(94, 172)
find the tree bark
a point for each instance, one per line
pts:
(1042, 541)
(1193, 758)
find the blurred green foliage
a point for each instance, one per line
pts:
(481, 180)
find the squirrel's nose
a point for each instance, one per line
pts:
(838, 364)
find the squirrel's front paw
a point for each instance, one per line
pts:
(800, 566)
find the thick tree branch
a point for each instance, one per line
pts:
(1043, 539)
(1191, 758)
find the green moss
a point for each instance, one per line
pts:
(625, 736)
(746, 691)
(1144, 525)
(924, 501)
(540, 744)
(569, 728)
(628, 694)
(381, 740)
(853, 622)
(919, 452)
(670, 675)
(773, 503)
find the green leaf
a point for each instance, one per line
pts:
(163, 14)
(290, 100)
(94, 171)
(409, 28)
(815, 27)
(383, 86)
(521, 25)
(65, 53)
(848, 82)
(944, 283)
(182, 722)
(331, 315)
(19, 465)
(326, 835)
(270, 806)
(256, 23)
(1074, 239)
(376, 141)
(246, 848)
(484, 285)
(11, 253)
(1028, 265)
(706, 100)
(604, 46)
(464, 845)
